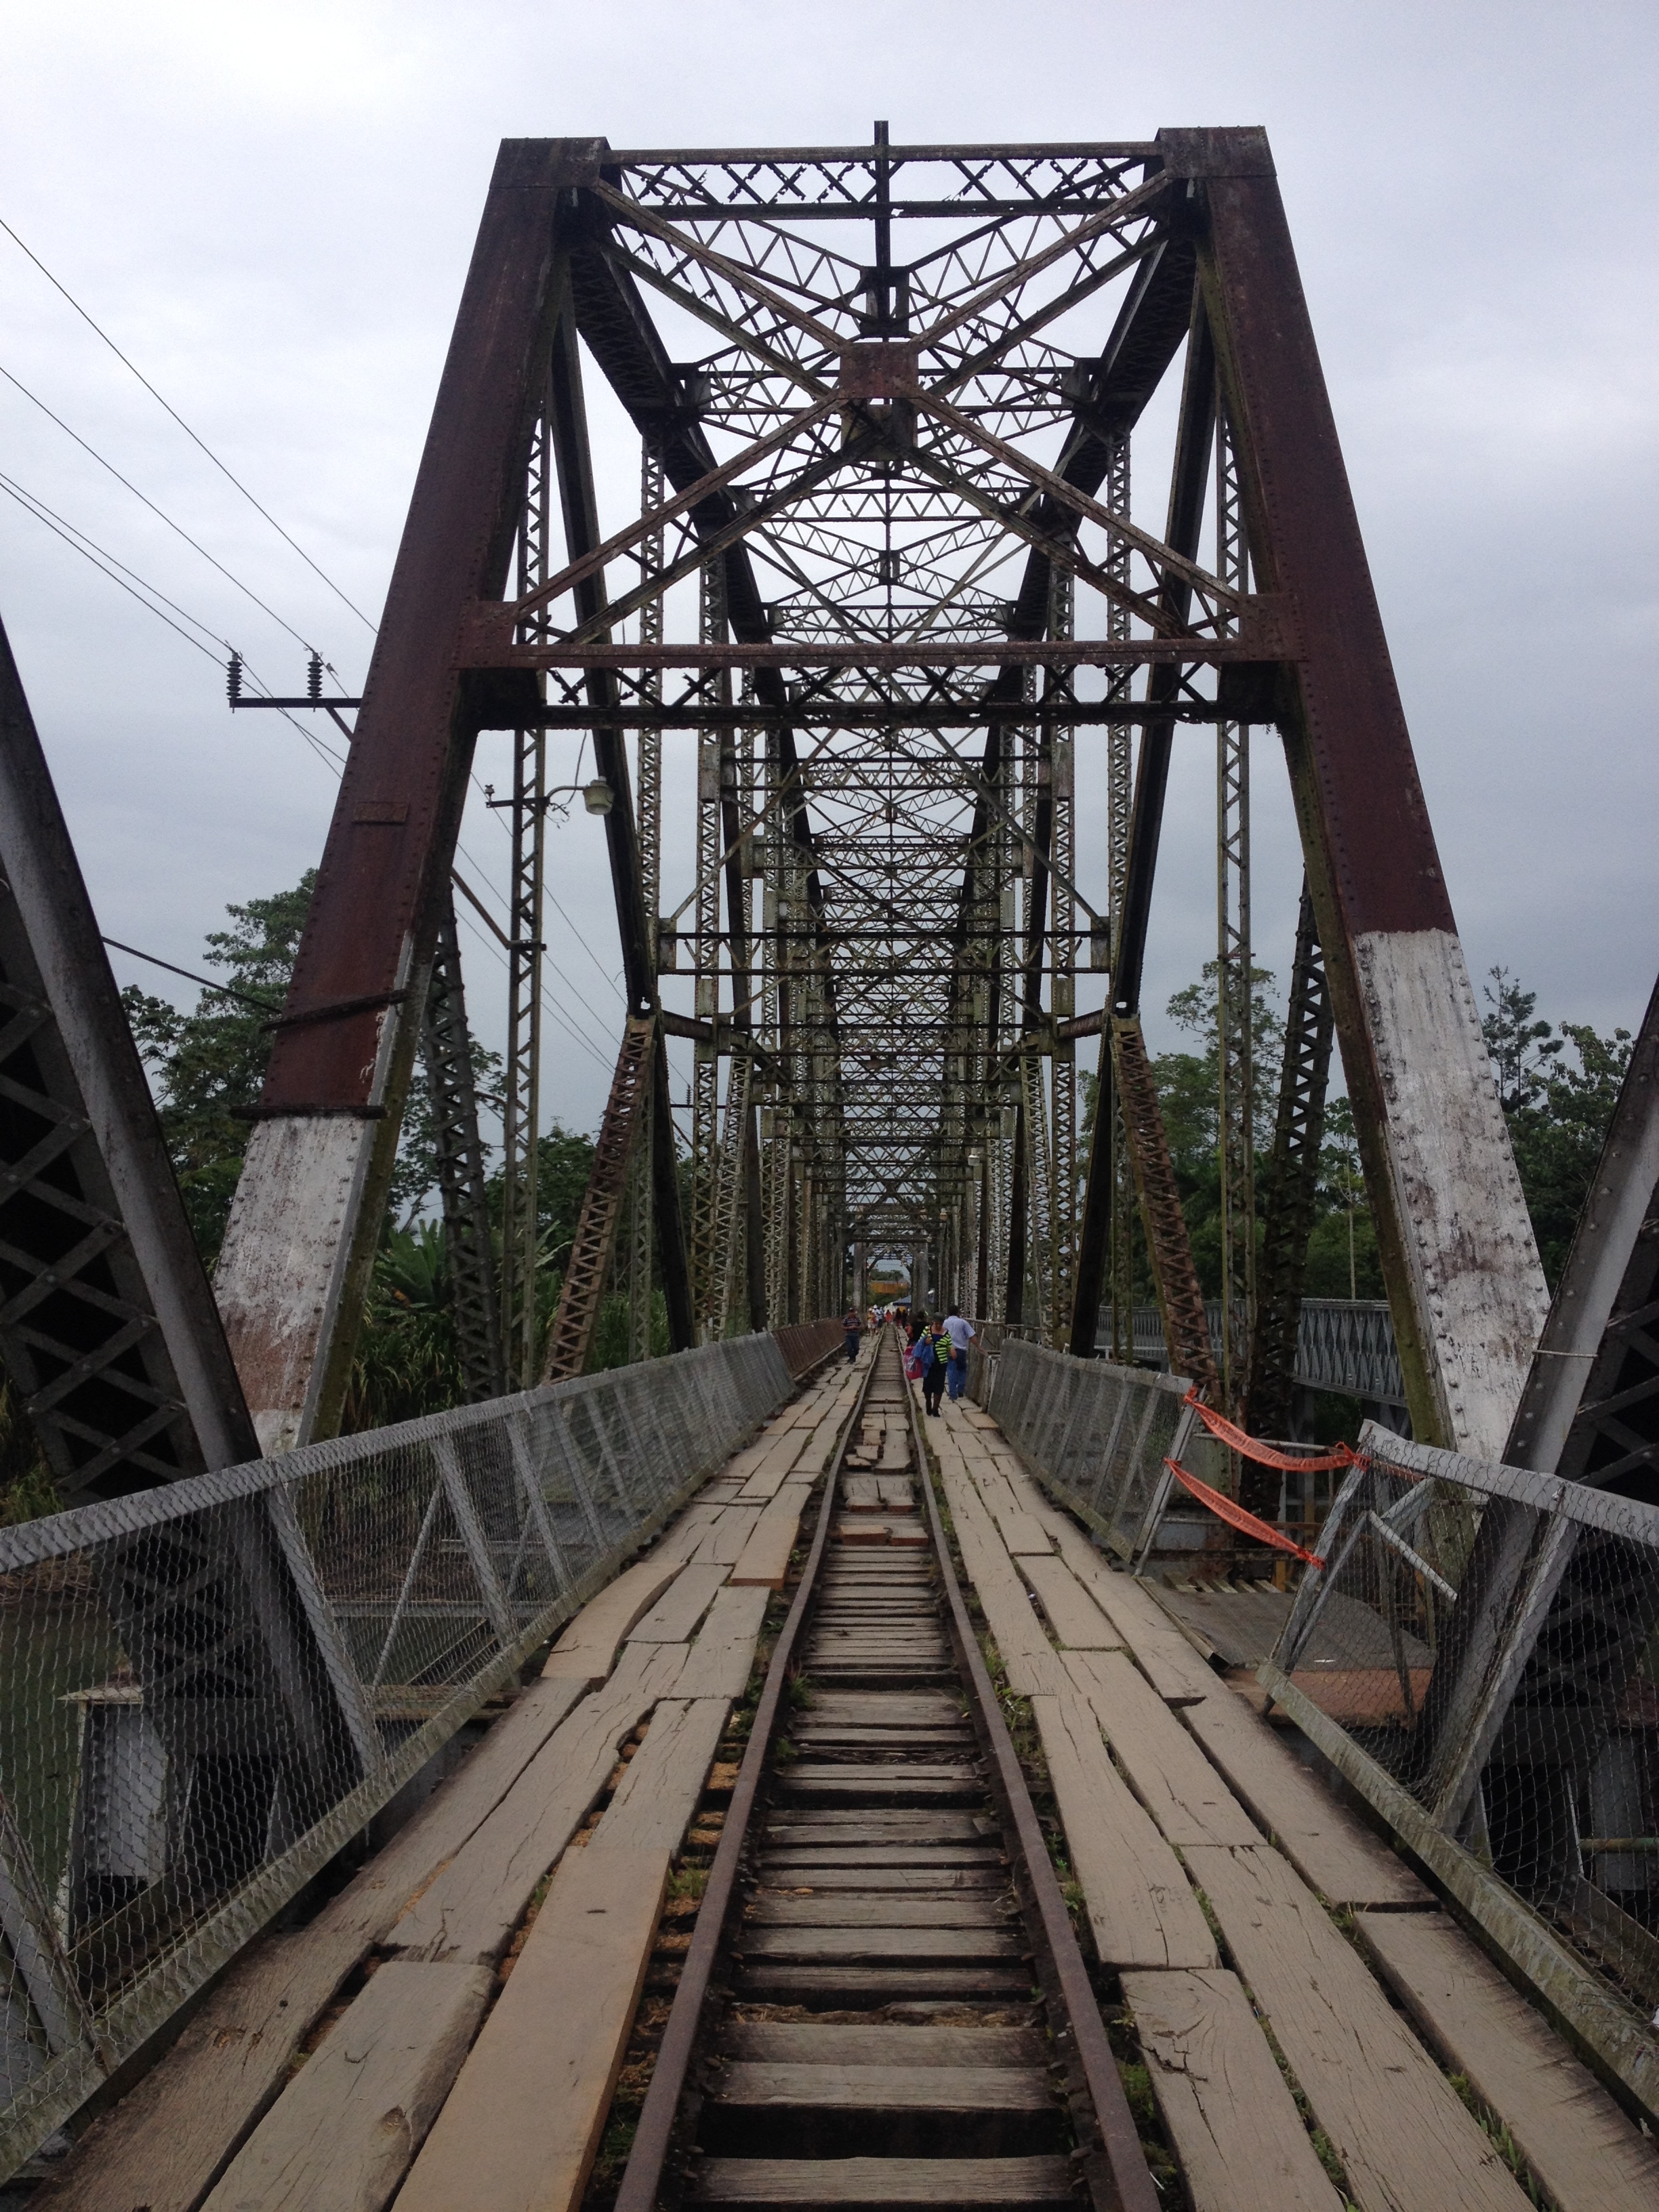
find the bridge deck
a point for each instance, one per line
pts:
(1248, 1927)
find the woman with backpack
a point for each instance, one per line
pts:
(933, 1350)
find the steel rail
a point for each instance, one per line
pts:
(1132, 2188)
(1116, 2168)
(653, 2135)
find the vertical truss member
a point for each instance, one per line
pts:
(1234, 1045)
(1175, 1277)
(635, 927)
(521, 1115)
(1119, 1178)
(447, 1051)
(641, 1222)
(706, 953)
(1062, 1067)
(571, 1337)
(1291, 1188)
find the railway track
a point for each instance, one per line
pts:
(884, 2002)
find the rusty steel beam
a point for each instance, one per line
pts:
(570, 1338)
(301, 1239)
(1465, 1287)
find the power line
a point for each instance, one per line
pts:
(183, 425)
(585, 1043)
(34, 399)
(106, 564)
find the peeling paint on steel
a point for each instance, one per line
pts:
(1468, 1241)
(283, 1250)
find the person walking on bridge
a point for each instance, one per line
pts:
(960, 1334)
(852, 1328)
(933, 1350)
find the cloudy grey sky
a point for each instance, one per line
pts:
(270, 209)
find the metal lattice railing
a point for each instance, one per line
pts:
(1480, 1658)
(1096, 1434)
(1341, 1343)
(211, 1687)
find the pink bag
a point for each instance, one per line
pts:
(912, 1366)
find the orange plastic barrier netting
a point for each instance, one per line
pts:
(1235, 1438)
(1237, 1517)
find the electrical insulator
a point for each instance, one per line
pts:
(315, 677)
(234, 679)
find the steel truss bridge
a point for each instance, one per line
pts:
(886, 397)
(881, 571)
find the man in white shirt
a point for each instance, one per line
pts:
(961, 1334)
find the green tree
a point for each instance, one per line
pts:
(1188, 1090)
(1342, 1255)
(1557, 1089)
(205, 1065)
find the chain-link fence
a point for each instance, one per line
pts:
(1480, 1653)
(209, 1687)
(1098, 1436)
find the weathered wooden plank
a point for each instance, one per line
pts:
(718, 1664)
(919, 1871)
(342, 2136)
(877, 1947)
(1167, 1771)
(1328, 1844)
(775, 1467)
(522, 2125)
(723, 1545)
(685, 1535)
(1229, 2113)
(657, 1796)
(673, 1619)
(829, 1735)
(873, 2182)
(765, 1559)
(804, 2042)
(817, 2110)
(859, 1989)
(940, 1821)
(472, 1907)
(1032, 1664)
(1403, 2134)
(588, 1647)
(757, 2085)
(1588, 2156)
(1140, 1907)
(168, 2138)
(838, 1910)
(1169, 1663)
(1075, 1619)
(1022, 1534)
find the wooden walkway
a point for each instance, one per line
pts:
(445, 2034)
(1265, 1937)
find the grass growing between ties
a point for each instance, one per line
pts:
(1508, 2149)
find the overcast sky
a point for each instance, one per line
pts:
(270, 209)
